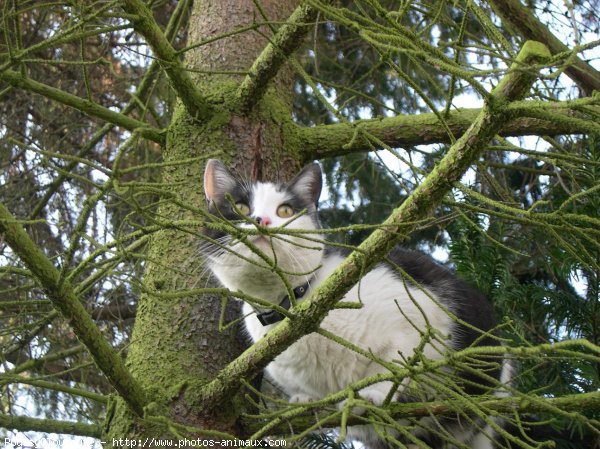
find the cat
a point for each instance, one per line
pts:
(394, 313)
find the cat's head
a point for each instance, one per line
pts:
(259, 209)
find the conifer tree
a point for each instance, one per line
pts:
(110, 326)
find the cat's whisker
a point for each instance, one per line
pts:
(301, 264)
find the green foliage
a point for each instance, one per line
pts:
(323, 441)
(364, 191)
(367, 81)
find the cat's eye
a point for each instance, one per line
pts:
(243, 208)
(285, 211)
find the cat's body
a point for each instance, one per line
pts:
(394, 313)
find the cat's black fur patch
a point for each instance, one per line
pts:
(467, 303)
(222, 208)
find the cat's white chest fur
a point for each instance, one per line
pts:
(316, 366)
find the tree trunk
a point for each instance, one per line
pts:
(176, 343)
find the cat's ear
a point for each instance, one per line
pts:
(217, 180)
(308, 183)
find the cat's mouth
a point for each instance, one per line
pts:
(261, 240)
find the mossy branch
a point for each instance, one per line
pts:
(27, 336)
(578, 403)
(138, 98)
(287, 40)
(33, 364)
(144, 23)
(26, 424)
(404, 130)
(307, 315)
(522, 19)
(40, 383)
(16, 79)
(65, 300)
(78, 30)
(300, 417)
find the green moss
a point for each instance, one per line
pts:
(533, 50)
(176, 341)
(176, 345)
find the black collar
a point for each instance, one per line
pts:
(274, 316)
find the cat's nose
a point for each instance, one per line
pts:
(263, 221)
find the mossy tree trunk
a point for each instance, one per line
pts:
(177, 343)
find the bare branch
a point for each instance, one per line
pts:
(575, 403)
(404, 130)
(114, 312)
(32, 364)
(40, 383)
(27, 336)
(138, 97)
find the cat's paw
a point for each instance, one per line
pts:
(355, 410)
(375, 397)
(300, 399)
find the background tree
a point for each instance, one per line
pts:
(109, 110)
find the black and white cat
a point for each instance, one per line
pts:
(393, 312)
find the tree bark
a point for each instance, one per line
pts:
(325, 141)
(177, 344)
(529, 26)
